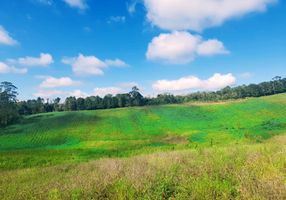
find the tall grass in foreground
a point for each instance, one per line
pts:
(255, 171)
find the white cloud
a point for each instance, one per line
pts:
(52, 82)
(191, 83)
(116, 63)
(182, 47)
(44, 60)
(102, 91)
(107, 90)
(176, 47)
(91, 65)
(197, 15)
(80, 4)
(5, 69)
(86, 65)
(118, 89)
(5, 38)
(211, 47)
(45, 90)
(44, 93)
(78, 93)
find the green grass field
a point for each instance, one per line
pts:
(229, 150)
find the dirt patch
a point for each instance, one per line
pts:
(175, 139)
(278, 139)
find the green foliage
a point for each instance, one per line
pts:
(8, 106)
(70, 104)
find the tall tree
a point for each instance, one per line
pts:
(80, 104)
(107, 101)
(70, 104)
(8, 106)
(57, 104)
(137, 98)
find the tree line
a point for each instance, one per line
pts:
(11, 109)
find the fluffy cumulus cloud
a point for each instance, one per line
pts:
(5, 38)
(107, 90)
(193, 83)
(197, 15)
(182, 47)
(86, 65)
(211, 47)
(91, 65)
(52, 82)
(80, 4)
(5, 69)
(43, 60)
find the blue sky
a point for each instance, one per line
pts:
(60, 48)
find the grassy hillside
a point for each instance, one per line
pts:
(68, 137)
(228, 150)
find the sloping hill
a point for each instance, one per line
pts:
(226, 150)
(71, 137)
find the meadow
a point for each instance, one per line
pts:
(223, 150)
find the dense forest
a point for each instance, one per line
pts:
(11, 109)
